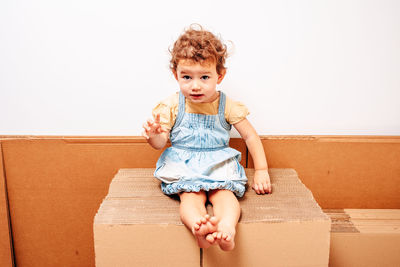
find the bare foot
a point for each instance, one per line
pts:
(204, 227)
(224, 237)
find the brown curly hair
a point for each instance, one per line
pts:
(199, 46)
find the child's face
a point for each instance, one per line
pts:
(198, 82)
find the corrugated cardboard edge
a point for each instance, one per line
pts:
(318, 215)
(6, 251)
(337, 138)
(341, 222)
(119, 199)
(365, 221)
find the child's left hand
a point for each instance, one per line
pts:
(262, 182)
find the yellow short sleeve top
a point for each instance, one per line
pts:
(168, 109)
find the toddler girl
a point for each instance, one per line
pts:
(200, 165)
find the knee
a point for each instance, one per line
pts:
(221, 195)
(193, 197)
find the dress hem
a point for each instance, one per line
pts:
(174, 188)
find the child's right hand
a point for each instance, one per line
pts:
(153, 127)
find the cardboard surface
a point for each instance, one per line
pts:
(367, 250)
(144, 245)
(342, 171)
(55, 185)
(275, 244)
(5, 242)
(287, 227)
(374, 243)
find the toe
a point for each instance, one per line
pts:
(213, 220)
(219, 235)
(210, 238)
(197, 225)
(228, 237)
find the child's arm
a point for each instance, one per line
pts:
(155, 133)
(262, 183)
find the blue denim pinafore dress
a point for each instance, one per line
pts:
(200, 158)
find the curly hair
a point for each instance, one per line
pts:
(199, 46)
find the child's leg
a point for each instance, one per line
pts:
(194, 215)
(227, 210)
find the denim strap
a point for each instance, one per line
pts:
(181, 110)
(221, 111)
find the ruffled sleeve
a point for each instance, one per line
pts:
(236, 111)
(167, 110)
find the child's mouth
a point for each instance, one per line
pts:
(195, 96)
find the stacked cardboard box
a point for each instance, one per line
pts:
(136, 225)
(365, 237)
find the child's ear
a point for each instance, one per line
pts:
(221, 76)
(175, 74)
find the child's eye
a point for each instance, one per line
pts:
(186, 77)
(205, 77)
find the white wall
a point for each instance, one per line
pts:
(86, 67)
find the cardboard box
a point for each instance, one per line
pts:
(286, 228)
(137, 225)
(368, 237)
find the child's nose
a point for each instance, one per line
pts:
(195, 85)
